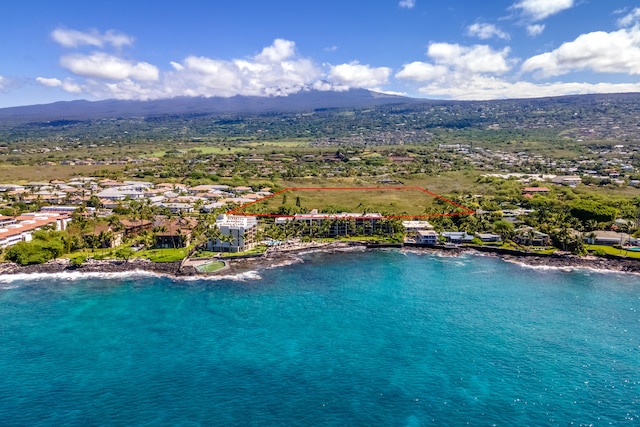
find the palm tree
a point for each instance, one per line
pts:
(78, 216)
(504, 229)
(213, 234)
(228, 238)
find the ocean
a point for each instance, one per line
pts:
(380, 338)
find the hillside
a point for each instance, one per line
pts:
(302, 101)
(356, 116)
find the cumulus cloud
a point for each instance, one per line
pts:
(355, 74)
(67, 85)
(279, 51)
(484, 87)
(51, 82)
(535, 29)
(614, 52)
(630, 18)
(105, 66)
(422, 71)
(276, 70)
(486, 31)
(473, 59)
(3, 83)
(537, 10)
(73, 38)
(464, 72)
(407, 4)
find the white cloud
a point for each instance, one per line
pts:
(630, 19)
(535, 29)
(277, 52)
(324, 86)
(483, 87)
(333, 48)
(614, 52)
(454, 66)
(67, 85)
(74, 38)
(422, 71)
(104, 66)
(51, 82)
(355, 74)
(407, 4)
(276, 70)
(537, 10)
(486, 31)
(473, 59)
(71, 86)
(457, 71)
(176, 66)
(3, 83)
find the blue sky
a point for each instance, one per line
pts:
(454, 49)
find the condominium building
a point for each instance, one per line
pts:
(237, 234)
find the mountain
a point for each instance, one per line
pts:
(299, 102)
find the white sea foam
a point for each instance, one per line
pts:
(238, 277)
(11, 279)
(74, 275)
(286, 262)
(568, 268)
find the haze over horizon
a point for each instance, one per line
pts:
(112, 49)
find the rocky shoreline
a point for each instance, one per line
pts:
(95, 266)
(573, 262)
(274, 259)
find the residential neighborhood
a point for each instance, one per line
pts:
(107, 214)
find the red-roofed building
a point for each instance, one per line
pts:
(25, 225)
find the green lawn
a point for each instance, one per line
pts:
(610, 250)
(163, 255)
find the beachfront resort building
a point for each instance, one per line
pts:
(340, 224)
(21, 228)
(237, 234)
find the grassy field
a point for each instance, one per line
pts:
(204, 149)
(24, 174)
(285, 143)
(388, 201)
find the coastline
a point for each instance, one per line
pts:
(275, 258)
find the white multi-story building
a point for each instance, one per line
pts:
(238, 234)
(23, 227)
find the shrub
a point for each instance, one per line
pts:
(77, 261)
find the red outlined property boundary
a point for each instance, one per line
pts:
(464, 210)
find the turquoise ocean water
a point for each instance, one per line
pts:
(379, 338)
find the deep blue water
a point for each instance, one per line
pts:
(362, 339)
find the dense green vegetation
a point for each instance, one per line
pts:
(45, 246)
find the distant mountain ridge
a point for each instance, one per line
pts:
(301, 101)
(68, 112)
